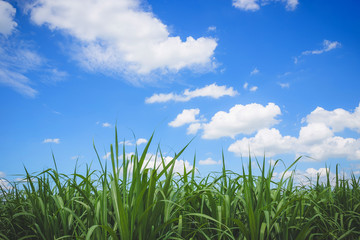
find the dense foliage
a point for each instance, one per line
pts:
(134, 202)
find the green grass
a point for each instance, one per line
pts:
(128, 201)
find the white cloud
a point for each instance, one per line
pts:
(209, 161)
(4, 184)
(141, 141)
(194, 128)
(76, 157)
(337, 120)
(106, 124)
(241, 119)
(291, 4)
(267, 141)
(52, 140)
(253, 89)
(150, 162)
(254, 5)
(7, 14)
(104, 30)
(107, 155)
(187, 116)
(327, 46)
(247, 5)
(332, 147)
(126, 143)
(314, 133)
(284, 85)
(211, 28)
(309, 176)
(254, 72)
(18, 82)
(213, 91)
(245, 86)
(16, 59)
(317, 139)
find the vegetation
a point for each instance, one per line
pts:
(131, 201)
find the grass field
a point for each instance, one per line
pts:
(130, 201)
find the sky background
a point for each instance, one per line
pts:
(273, 77)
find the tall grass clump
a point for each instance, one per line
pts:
(132, 200)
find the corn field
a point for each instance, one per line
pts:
(132, 201)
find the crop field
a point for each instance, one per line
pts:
(130, 200)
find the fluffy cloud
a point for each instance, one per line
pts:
(314, 133)
(52, 140)
(104, 30)
(209, 161)
(7, 14)
(151, 160)
(254, 5)
(187, 116)
(194, 128)
(141, 141)
(327, 46)
(317, 139)
(213, 91)
(247, 5)
(241, 119)
(309, 176)
(267, 141)
(291, 4)
(337, 120)
(4, 184)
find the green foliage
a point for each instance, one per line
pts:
(137, 201)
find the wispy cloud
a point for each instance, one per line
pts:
(106, 124)
(327, 46)
(17, 57)
(211, 28)
(254, 72)
(245, 86)
(253, 89)
(284, 85)
(76, 157)
(209, 161)
(212, 91)
(126, 143)
(106, 156)
(254, 5)
(52, 140)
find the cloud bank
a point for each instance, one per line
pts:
(316, 139)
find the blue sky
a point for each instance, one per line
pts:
(279, 77)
